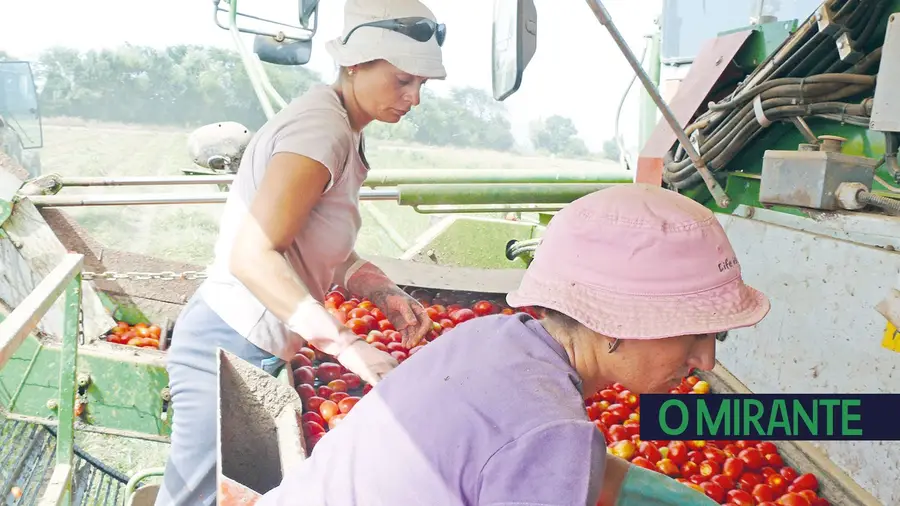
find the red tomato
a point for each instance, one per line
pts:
(696, 457)
(462, 315)
(335, 297)
(793, 499)
(392, 346)
(809, 494)
(324, 391)
(723, 481)
(777, 482)
(714, 454)
(649, 451)
(338, 385)
(740, 497)
(806, 481)
(696, 445)
(789, 474)
(678, 452)
(311, 416)
(763, 492)
(304, 374)
(371, 322)
(357, 312)
(313, 428)
(375, 336)
(731, 450)
(624, 449)
(338, 396)
(305, 391)
(768, 471)
(618, 387)
(608, 395)
(367, 388)
(440, 312)
(774, 460)
(483, 308)
(399, 356)
(697, 478)
(352, 380)
(714, 491)
(619, 411)
(618, 432)
(708, 468)
(328, 409)
(347, 306)
(689, 469)
(767, 447)
(358, 326)
(347, 404)
(308, 353)
(328, 371)
(628, 399)
(385, 325)
(313, 403)
(380, 346)
(593, 411)
(749, 480)
(367, 305)
(643, 462)
(752, 458)
(667, 467)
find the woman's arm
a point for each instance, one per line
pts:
(291, 187)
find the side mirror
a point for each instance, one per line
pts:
(269, 50)
(515, 41)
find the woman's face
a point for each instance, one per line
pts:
(385, 92)
(658, 365)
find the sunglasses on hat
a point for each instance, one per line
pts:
(416, 28)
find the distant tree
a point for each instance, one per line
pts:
(611, 150)
(558, 135)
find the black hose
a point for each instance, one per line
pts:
(798, 82)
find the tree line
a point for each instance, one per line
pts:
(189, 85)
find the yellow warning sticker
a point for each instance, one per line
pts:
(891, 339)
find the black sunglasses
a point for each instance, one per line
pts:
(721, 336)
(416, 28)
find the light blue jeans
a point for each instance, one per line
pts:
(190, 476)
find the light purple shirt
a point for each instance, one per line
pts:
(489, 414)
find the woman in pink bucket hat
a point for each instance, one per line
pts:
(635, 285)
(288, 231)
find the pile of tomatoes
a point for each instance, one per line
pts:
(734, 473)
(329, 391)
(141, 335)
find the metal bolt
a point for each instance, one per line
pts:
(84, 379)
(831, 143)
(166, 394)
(52, 404)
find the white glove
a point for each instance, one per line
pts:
(368, 362)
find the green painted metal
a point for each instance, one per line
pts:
(5, 212)
(475, 242)
(765, 39)
(122, 311)
(65, 437)
(479, 194)
(124, 394)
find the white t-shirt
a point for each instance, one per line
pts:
(317, 126)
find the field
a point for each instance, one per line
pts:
(74, 147)
(187, 232)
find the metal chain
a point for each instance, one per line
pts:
(80, 324)
(144, 276)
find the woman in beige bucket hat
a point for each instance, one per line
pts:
(288, 230)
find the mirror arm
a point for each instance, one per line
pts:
(714, 188)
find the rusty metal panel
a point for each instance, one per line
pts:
(258, 431)
(708, 67)
(811, 178)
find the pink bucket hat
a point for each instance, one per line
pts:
(640, 262)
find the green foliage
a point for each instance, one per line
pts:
(611, 149)
(558, 135)
(191, 85)
(180, 85)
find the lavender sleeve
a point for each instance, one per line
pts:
(556, 464)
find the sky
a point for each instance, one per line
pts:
(577, 70)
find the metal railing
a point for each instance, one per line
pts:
(66, 277)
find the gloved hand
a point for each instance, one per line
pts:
(367, 361)
(404, 312)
